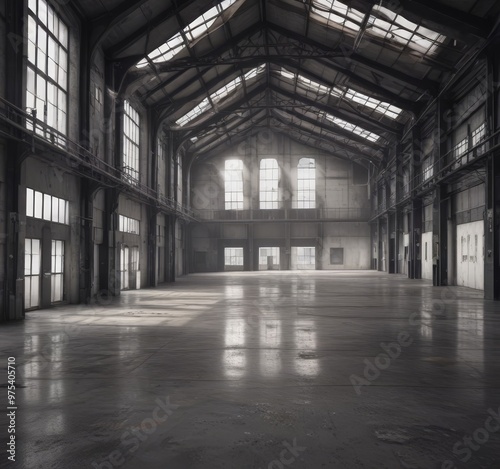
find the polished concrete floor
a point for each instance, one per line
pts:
(262, 370)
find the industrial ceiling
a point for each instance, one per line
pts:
(347, 77)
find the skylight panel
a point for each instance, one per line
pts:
(384, 108)
(225, 90)
(218, 95)
(196, 111)
(286, 74)
(193, 31)
(337, 15)
(372, 137)
(312, 85)
(391, 26)
(254, 72)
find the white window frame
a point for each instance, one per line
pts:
(306, 183)
(269, 174)
(47, 70)
(131, 143)
(233, 184)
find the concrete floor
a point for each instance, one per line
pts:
(255, 370)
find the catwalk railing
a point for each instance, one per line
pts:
(294, 214)
(40, 138)
(445, 168)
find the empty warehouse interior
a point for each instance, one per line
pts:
(250, 233)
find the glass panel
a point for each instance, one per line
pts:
(55, 209)
(35, 291)
(38, 204)
(62, 210)
(35, 264)
(47, 207)
(29, 202)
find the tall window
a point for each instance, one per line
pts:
(47, 72)
(233, 179)
(460, 150)
(306, 183)
(478, 136)
(32, 264)
(130, 143)
(57, 271)
(269, 176)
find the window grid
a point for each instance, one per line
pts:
(386, 24)
(264, 253)
(269, 180)
(372, 137)
(307, 85)
(131, 127)
(218, 95)
(47, 71)
(478, 136)
(128, 225)
(233, 185)
(337, 15)
(233, 256)
(57, 271)
(306, 256)
(428, 168)
(192, 31)
(32, 268)
(306, 183)
(460, 149)
(46, 207)
(382, 23)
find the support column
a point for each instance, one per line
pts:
(415, 270)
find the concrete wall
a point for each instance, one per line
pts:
(354, 238)
(335, 193)
(334, 176)
(53, 181)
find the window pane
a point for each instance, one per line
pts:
(55, 209)
(62, 214)
(38, 204)
(29, 202)
(47, 207)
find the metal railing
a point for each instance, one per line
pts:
(294, 214)
(26, 128)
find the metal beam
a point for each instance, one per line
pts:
(377, 67)
(334, 143)
(453, 22)
(334, 130)
(158, 20)
(332, 140)
(366, 123)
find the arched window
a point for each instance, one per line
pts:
(233, 184)
(306, 183)
(269, 177)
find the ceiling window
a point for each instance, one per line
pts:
(306, 84)
(269, 180)
(392, 27)
(383, 23)
(352, 128)
(336, 14)
(379, 106)
(47, 71)
(306, 183)
(233, 185)
(191, 32)
(219, 95)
